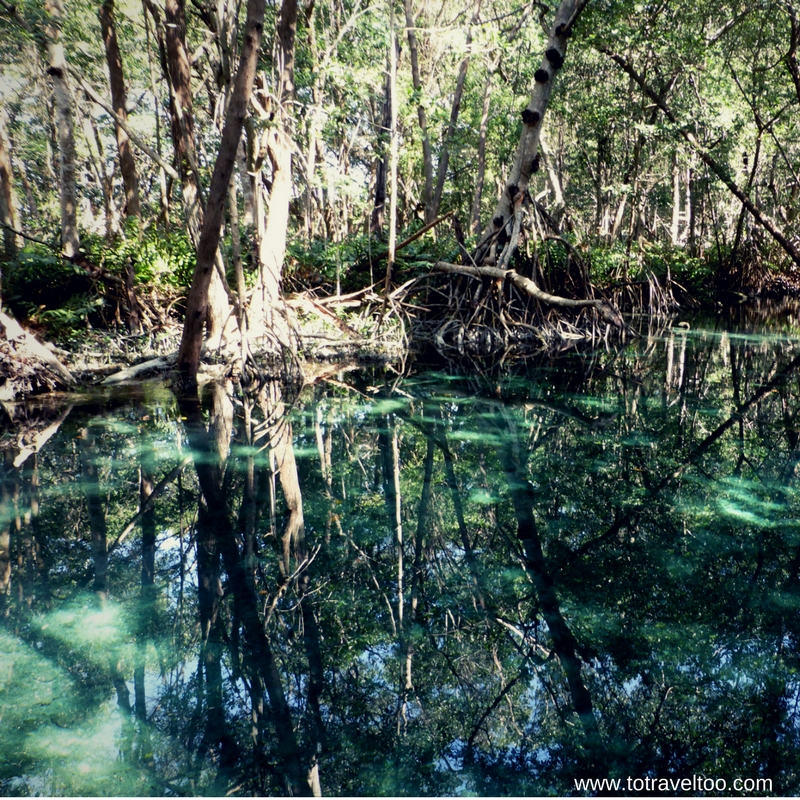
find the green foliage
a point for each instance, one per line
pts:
(692, 272)
(159, 259)
(38, 281)
(68, 319)
(606, 263)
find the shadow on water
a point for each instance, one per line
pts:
(501, 583)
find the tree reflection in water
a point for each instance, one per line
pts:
(433, 585)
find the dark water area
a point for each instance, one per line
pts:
(492, 583)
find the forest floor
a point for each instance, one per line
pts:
(318, 334)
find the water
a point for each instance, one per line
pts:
(495, 583)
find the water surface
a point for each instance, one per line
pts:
(484, 583)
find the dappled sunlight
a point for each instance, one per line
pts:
(460, 587)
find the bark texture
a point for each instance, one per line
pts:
(9, 211)
(65, 128)
(116, 78)
(272, 243)
(197, 302)
(525, 161)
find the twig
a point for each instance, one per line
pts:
(423, 229)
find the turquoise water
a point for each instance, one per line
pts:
(450, 583)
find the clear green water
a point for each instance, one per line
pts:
(459, 584)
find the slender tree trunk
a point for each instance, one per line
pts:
(393, 148)
(9, 210)
(181, 111)
(313, 121)
(427, 157)
(382, 165)
(526, 161)
(162, 178)
(675, 227)
(475, 218)
(65, 128)
(554, 179)
(116, 76)
(444, 157)
(248, 193)
(197, 302)
(94, 506)
(127, 164)
(148, 574)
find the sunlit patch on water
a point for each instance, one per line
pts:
(446, 575)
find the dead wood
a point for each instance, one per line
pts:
(26, 365)
(152, 366)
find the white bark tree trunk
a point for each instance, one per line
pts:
(65, 129)
(526, 161)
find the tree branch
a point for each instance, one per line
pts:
(95, 97)
(760, 217)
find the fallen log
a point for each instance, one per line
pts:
(26, 365)
(154, 365)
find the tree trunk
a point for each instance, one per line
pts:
(162, 178)
(475, 218)
(314, 117)
(526, 161)
(181, 113)
(675, 227)
(393, 148)
(444, 157)
(382, 166)
(94, 507)
(272, 245)
(427, 158)
(118, 100)
(9, 211)
(65, 128)
(197, 302)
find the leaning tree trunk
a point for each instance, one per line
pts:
(182, 125)
(526, 162)
(197, 302)
(444, 157)
(65, 128)
(705, 156)
(499, 240)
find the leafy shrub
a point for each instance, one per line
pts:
(606, 263)
(38, 279)
(65, 322)
(160, 259)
